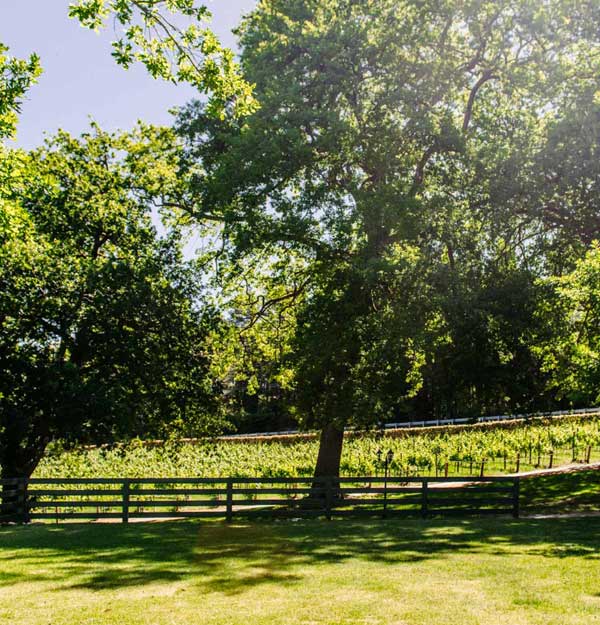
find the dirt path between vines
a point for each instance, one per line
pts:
(565, 468)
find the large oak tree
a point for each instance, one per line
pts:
(398, 150)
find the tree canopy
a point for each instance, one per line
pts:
(402, 148)
(103, 327)
(398, 206)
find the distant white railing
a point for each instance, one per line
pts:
(439, 422)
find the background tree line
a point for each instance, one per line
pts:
(398, 205)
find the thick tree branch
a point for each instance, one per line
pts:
(420, 170)
(485, 77)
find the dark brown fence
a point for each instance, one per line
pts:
(126, 499)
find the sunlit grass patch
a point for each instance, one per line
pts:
(411, 572)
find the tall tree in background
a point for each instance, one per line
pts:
(253, 356)
(395, 151)
(571, 354)
(102, 323)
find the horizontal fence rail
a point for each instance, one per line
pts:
(154, 498)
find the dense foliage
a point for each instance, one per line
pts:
(102, 327)
(399, 217)
(16, 76)
(432, 164)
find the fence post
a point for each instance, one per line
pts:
(328, 497)
(125, 503)
(551, 459)
(518, 462)
(22, 511)
(424, 490)
(229, 503)
(516, 491)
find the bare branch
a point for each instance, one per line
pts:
(269, 303)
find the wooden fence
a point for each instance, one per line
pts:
(126, 499)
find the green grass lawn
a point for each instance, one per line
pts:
(559, 493)
(481, 571)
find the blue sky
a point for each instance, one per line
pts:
(80, 78)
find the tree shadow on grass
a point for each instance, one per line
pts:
(563, 492)
(233, 558)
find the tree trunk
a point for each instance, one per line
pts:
(11, 509)
(330, 452)
(328, 464)
(328, 461)
(20, 453)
